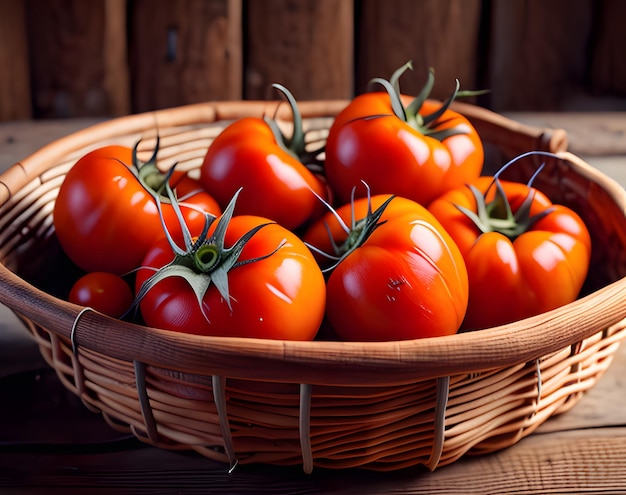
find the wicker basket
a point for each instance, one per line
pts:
(381, 406)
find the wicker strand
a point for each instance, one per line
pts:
(219, 397)
(441, 405)
(75, 328)
(575, 349)
(539, 386)
(304, 427)
(144, 401)
(79, 376)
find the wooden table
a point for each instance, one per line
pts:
(49, 443)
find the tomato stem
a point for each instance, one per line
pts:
(411, 113)
(148, 174)
(206, 257)
(205, 261)
(296, 143)
(497, 215)
(356, 234)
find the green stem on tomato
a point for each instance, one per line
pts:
(295, 144)
(497, 215)
(148, 174)
(356, 234)
(205, 261)
(411, 113)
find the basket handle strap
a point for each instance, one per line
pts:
(304, 427)
(219, 397)
(144, 401)
(79, 377)
(441, 404)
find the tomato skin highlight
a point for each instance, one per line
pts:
(540, 270)
(367, 142)
(406, 281)
(102, 291)
(281, 296)
(276, 185)
(104, 218)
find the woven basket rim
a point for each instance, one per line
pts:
(311, 362)
(319, 362)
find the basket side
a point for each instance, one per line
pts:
(334, 404)
(187, 130)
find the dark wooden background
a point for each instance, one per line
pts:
(77, 58)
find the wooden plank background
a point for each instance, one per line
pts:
(105, 58)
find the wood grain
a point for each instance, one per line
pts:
(184, 51)
(537, 53)
(116, 77)
(431, 33)
(78, 54)
(14, 71)
(567, 462)
(608, 73)
(305, 45)
(71, 58)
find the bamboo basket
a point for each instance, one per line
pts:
(380, 406)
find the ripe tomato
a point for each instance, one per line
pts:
(275, 291)
(400, 275)
(104, 292)
(105, 215)
(524, 258)
(416, 151)
(251, 153)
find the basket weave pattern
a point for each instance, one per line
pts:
(381, 406)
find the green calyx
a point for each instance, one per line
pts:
(425, 124)
(497, 215)
(357, 232)
(295, 144)
(205, 261)
(148, 174)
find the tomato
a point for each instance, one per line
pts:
(274, 172)
(400, 276)
(104, 292)
(275, 289)
(106, 216)
(524, 258)
(416, 151)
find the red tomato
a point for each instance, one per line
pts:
(104, 292)
(280, 295)
(405, 279)
(517, 267)
(276, 183)
(410, 151)
(105, 216)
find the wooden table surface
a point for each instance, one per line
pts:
(49, 443)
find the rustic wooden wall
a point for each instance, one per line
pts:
(14, 71)
(444, 35)
(538, 51)
(72, 58)
(184, 51)
(608, 64)
(77, 58)
(305, 45)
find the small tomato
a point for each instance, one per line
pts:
(105, 292)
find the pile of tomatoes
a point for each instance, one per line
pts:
(393, 235)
